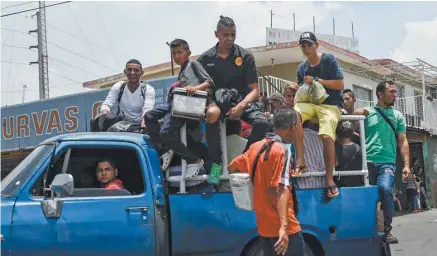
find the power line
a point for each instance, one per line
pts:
(10, 6)
(106, 33)
(18, 47)
(10, 59)
(28, 10)
(51, 72)
(84, 57)
(81, 30)
(58, 86)
(68, 64)
(103, 65)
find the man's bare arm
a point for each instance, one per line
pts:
(252, 96)
(361, 111)
(283, 195)
(332, 84)
(404, 147)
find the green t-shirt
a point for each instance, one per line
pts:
(380, 140)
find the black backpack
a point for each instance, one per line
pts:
(101, 125)
(266, 148)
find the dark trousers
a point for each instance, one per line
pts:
(295, 245)
(168, 136)
(423, 202)
(252, 115)
(411, 199)
(383, 175)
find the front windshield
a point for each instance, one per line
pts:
(20, 173)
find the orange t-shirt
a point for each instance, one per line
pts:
(269, 174)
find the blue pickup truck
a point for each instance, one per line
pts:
(50, 206)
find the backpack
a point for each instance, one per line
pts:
(266, 148)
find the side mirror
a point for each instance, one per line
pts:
(62, 184)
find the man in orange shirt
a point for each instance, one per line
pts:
(106, 173)
(268, 163)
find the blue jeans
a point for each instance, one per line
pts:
(383, 175)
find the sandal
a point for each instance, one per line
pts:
(300, 169)
(193, 170)
(166, 159)
(330, 190)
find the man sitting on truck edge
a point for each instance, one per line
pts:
(268, 164)
(385, 129)
(234, 72)
(134, 102)
(192, 77)
(106, 173)
(324, 69)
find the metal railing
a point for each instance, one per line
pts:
(413, 110)
(270, 84)
(225, 173)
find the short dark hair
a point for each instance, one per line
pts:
(179, 43)
(349, 91)
(111, 163)
(382, 86)
(225, 22)
(284, 118)
(345, 129)
(134, 61)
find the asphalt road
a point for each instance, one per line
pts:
(417, 234)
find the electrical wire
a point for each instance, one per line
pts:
(51, 72)
(28, 10)
(81, 30)
(63, 48)
(106, 33)
(10, 6)
(68, 64)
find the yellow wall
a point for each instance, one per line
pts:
(284, 71)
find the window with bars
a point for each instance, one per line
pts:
(400, 103)
(363, 96)
(433, 93)
(418, 102)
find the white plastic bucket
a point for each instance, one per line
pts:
(242, 190)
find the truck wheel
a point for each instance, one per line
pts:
(307, 250)
(254, 249)
(385, 250)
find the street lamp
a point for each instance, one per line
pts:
(171, 60)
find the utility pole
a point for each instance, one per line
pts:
(24, 93)
(271, 18)
(42, 51)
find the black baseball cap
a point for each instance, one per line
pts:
(308, 37)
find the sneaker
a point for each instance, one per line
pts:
(391, 239)
(214, 175)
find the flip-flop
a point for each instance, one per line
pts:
(301, 169)
(166, 159)
(331, 190)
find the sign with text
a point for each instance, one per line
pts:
(279, 36)
(27, 125)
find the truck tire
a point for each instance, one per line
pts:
(253, 249)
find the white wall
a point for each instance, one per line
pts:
(351, 79)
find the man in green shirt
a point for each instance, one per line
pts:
(381, 142)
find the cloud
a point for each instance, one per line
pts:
(420, 41)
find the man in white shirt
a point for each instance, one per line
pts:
(132, 98)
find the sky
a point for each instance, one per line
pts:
(91, 40)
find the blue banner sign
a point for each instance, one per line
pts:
(26, 125)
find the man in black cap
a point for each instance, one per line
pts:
(324, 69)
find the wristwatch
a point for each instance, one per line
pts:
(316, 79)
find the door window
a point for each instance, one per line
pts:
(97, 172)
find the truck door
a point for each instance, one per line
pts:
(94, 220)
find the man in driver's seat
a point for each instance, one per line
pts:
(106, 173)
